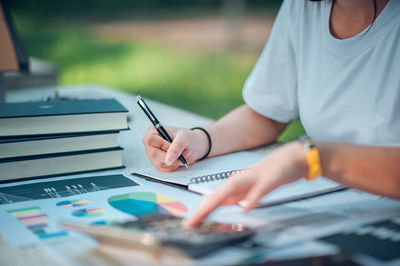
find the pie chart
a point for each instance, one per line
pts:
(143, 204)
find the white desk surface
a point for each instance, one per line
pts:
(133, 158)
(83, 252)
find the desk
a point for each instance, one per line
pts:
(133, 158)
(83, 252)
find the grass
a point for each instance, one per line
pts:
(201, 82)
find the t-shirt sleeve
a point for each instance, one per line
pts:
(271, 88)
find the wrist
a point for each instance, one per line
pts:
(314, 168)
(294, 161)
(203, 141)
(299, 158)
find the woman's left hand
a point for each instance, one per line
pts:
(286, 164)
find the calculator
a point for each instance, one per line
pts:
(163, 231)
(195, 241)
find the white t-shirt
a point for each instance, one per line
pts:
(343, 90)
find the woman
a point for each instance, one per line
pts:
(336, 64)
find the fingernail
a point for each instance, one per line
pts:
(170, 158)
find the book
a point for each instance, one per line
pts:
(46, 144)
(46, 165)
(61, 116)
(206, 176)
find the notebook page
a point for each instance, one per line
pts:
(289, 192)
(223, 163)
(300, 189)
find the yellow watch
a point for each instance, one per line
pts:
(313, 160)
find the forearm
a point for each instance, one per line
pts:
(369, 168)
(242, 129)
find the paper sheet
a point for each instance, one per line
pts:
(36, 221)
(278, 227)
(182, 176)
(305, 220)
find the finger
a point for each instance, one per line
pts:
(171, 131)
(157, 158)
(188, 154)
(258, 190)
(209, 204)
(155, 140)
(243, 181)
(176, 148)
(230, 193)
(233, 199)
(151, 130)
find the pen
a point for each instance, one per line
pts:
(161, 130)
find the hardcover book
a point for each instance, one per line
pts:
(24, 146)
(64, 116)
(46, 165)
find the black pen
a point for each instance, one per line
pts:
(161, 130)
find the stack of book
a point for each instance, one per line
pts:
(41, 139)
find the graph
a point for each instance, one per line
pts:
(146, 204)
(63, 188)
(88, 213)
(36, 221)
(104, 222)
(72, 203)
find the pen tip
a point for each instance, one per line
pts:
(138, 98)
(186, 165)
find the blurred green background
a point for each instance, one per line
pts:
(195, 55)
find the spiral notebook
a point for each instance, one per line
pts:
(206, 176)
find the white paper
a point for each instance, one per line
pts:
(182, 176)
(303, 220)
(236, 161)
(50, 214)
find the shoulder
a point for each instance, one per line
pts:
(300, 19)
(289, 8)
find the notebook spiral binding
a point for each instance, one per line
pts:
(213, 177)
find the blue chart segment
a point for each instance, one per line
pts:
(143, 204)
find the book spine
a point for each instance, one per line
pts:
(5, 181)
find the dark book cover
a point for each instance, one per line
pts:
(61, 174)
(13, 139)
(50, 155)
(61, 107)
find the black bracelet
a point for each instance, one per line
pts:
(209, 141)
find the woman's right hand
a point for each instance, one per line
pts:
(192, 144)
